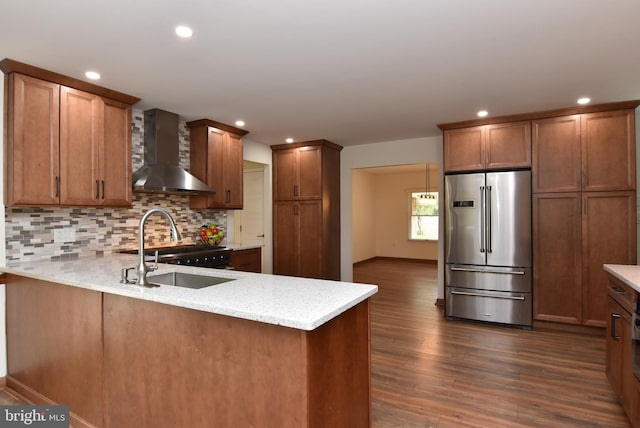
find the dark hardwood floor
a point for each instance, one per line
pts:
(429, 372)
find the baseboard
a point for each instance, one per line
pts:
(568, 328)
(440, 303)
(30, 396)
(400, 259)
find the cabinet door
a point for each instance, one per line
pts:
(32, 141)
(310, 232)
(614, 359)
(233, 172)
(285, 175)
(508, 145)
(215, 169)
(608, 151)
(464, 149)
(608, 236)
(115, 155)
(556, 154)
(286, 238)
(81, 122)
(309, 172)
(557, 266)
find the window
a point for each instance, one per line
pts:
(424, 216)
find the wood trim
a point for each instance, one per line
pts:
(30, 396)
(325, 143)
(540, 325)
(439, 302)
(3, 278)
(223, 126)
(542, 114)
(11, 66)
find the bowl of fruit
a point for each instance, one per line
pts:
(210, 234)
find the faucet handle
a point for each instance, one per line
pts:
(155, 261)
(124, 276)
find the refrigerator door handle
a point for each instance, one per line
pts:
(488, 220)
(493, 296)
(515, 272)
(483, 203)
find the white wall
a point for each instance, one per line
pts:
(401, 152)
(363, 206)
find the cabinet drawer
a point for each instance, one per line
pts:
(622, 293)
(483, 305)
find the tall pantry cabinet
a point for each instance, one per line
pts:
(306, 209)
(584, 215)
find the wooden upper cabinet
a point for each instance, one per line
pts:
(464, 149)
(80, 135)
(608, 151)
(299, 173)
(556, 163)
(115, 154)
(496, 146)
(589, 152)
(216, 155)
(65, 145)
(32, 146)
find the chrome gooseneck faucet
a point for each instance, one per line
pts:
(143, 269)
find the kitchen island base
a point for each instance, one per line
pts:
(133, 362)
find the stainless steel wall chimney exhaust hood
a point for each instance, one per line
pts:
(161, 172)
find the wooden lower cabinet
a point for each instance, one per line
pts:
(248, 260)
(298, 243)
(619, 355)
(54, 346)
(575, 233)
(124, 362)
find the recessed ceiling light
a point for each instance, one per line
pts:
(184, 31)
(92, 75)
(584, 100)
(482, 113)
(239, 122)
(289, 140)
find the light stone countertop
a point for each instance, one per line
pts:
(629, 274)
(299, 303)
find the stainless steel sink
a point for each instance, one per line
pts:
(187, 280)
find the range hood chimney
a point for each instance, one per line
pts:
(161, 172)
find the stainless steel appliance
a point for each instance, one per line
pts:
(488, 247)
(190, 255)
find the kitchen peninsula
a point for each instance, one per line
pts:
(259, 350)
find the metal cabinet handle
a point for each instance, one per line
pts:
(489, 231)
(482, 218)
(296, 191)
(102, 189)
(462, 293)
(614, 317)
(57, 186)
(515, 272)
(227, 196)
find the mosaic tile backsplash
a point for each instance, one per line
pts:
(30, 232)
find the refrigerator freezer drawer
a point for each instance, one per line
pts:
(512, 279)
(490, 306)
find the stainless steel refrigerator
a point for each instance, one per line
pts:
(488, 247)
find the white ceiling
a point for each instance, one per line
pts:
(350, 71)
